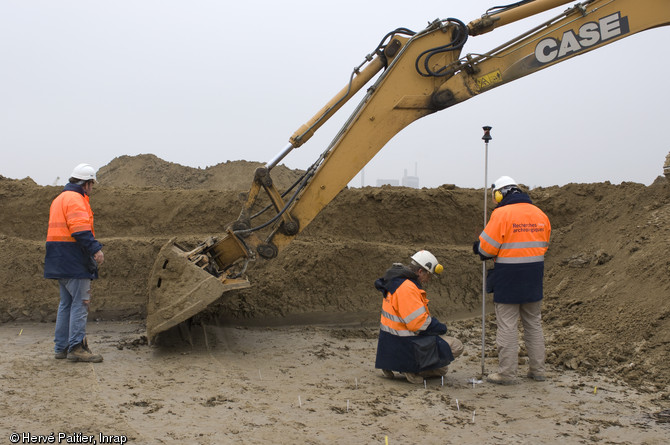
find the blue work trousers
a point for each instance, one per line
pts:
(75, 294)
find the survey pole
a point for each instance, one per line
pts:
(487, 137)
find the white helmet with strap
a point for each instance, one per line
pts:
(428, 261)
(84, 172)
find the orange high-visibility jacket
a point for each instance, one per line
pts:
(405, 311)
(71, 241)
(70, 212)
(517, 238)
(517, 233)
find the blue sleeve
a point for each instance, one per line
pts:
(87, 240)
(435, 327)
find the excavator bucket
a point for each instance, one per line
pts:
(179, 289)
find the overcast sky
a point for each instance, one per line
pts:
(200, 82)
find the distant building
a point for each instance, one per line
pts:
(410, 181)
(406, 181)
(393, 182)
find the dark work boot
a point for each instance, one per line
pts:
(60, 355)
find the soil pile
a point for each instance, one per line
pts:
(148, 170)
(607, 285)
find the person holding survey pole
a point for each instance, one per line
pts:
(516, 238)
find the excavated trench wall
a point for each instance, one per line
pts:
(607, 283)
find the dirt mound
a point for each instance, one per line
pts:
(147, 170)
(607, 281)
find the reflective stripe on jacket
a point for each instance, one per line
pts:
(71, 242)
(517, 238)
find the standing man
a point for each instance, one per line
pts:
(409, 338)
(72, 257)
(516, 238)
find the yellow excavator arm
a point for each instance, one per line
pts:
(417, 74)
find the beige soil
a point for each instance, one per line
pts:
(290, 360)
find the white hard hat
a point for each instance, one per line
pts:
(428, 261)
(503, 181)
(500, 188)
(84, 172)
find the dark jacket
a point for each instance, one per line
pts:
(415, 351)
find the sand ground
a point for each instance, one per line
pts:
(297, 384)
(272, 371)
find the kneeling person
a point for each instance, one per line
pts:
(411, 341)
